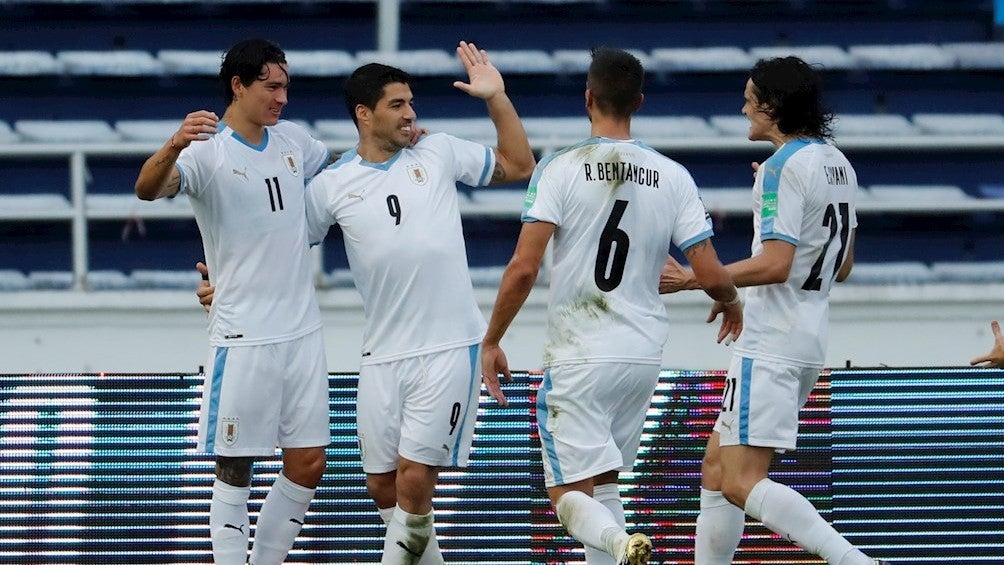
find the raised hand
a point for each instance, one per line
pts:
(485, 79)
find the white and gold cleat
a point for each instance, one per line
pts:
(637, 551)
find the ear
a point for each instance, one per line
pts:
(641, 100)
(589, 98)
(236, 86)
(363, 114)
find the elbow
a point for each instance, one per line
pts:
(523, 275)
(144, 193)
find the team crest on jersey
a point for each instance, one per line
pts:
(417, 174)
(290, 160)
(231, 430)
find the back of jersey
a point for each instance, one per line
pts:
(617, 206)
(804, 195)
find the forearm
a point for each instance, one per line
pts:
(157, 176)
(513, 146)
(515, 287)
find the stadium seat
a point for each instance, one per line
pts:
(731, 125)
(147, 130)
(914, 56)
(707, 59)
(977, 55)
(418, 62)
(498, 201)
(475, 129)
(564, 130)
(321, 63)
(163, 279)
(112, 206)
(188, 62)
(337, 130)
(968, 271)
(50, 280)
(877, 125)
(12, 279)
(338, 278)
(892, 272)
(909, 195)
(523, 61)
(577, 61)
(34, 206)
(829, 57)
(29, 63)
(7, 135)
(110, 63)
(731, 199)
(66, 131)
(991, 190)
(651, 128)
(109, 279)
(960, 124)
(487, 276)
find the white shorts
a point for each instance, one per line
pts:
(422, 408)
(590, 418)
(761, 402)
(259, 397)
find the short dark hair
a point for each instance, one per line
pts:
(366, 85)
(245, 61)
(790, 91)
(615, 79)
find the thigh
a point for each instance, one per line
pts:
(240, 413)
(590, 417)
(378, 416)
(760, 403)
(440, 407)
(305, 407)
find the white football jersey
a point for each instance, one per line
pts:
(617, 205)
(400, 221)
(248, 202)
(803, 194)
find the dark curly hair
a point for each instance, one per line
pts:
(789, 90)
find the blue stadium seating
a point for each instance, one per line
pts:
(923, 71)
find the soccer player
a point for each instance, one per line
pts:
(398, 210)
(267, 382)
(994, 358)
(613, 206)
(804, 224)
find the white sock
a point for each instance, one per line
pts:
(609, 495)
(719, 529)
(789, 514)
(407, 537)
(432, 554)
(590, 522)
(228, 523)
(279, 521)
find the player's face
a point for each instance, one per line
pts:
(394, 116)
(263, 100)
(761, 124)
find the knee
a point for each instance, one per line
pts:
(306, 467)
(382, 488)
(736, 489)
(235, 471)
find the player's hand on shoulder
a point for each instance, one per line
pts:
(197, 126)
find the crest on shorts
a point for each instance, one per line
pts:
(417, 174)
(290, 160)
(231, 430)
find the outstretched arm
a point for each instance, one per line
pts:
(514, 160)
(517, 281)
(158, 177)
